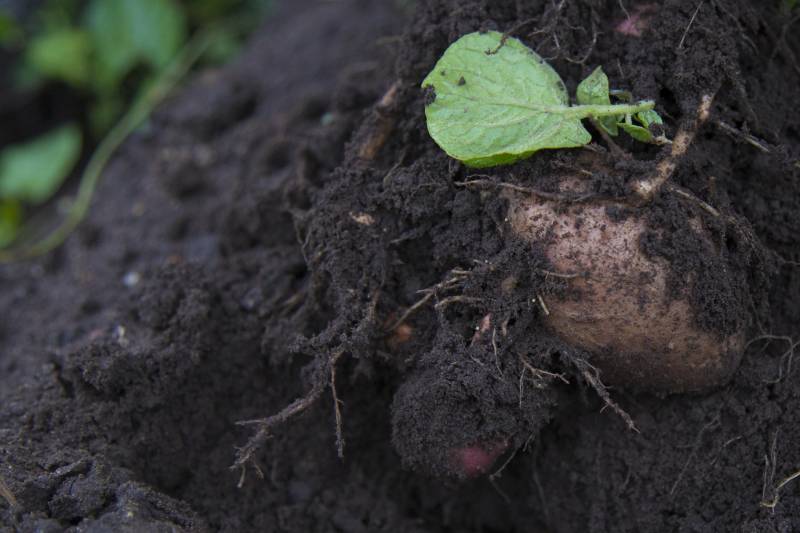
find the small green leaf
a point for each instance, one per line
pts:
(642, 133)
(594, 90)
(637, 132)
(33, 171)
(62, 54)
(10, 32)
(621, 95)
(10, 221)
(649, 117)
(496, 102)
(126, 32)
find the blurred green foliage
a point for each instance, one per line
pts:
(110, 51)
(10, 221)
(31, 172)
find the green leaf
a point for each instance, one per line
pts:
(10, 32)
(10, 221)
(495, 103)
(649, 117)
(621, 95)
(493, 109)
(594, 90)
(33, 171)
(637, 132)
(127, 32)
(642, 133)
(62, 54)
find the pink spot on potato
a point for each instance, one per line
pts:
(477, 459)
(638, 21)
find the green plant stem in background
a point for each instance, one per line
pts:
(133, 118)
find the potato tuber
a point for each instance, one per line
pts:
(618, 305)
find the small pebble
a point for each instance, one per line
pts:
(131, 279)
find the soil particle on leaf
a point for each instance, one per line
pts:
(430, 95)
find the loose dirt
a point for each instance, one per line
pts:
(287, 220)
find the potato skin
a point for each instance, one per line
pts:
(619, 309)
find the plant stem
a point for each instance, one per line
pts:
(615, 110)
(645, 190)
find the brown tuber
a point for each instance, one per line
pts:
(617, 305)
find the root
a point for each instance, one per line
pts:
(535, 373)
(785, 362)
(746, 137)
(7, 495)
(624, 11)
(542, 498)
(244, 455)
(455, 277)
(382, 124)
(756, 142)
(555, 197)
(549, 29)
(337, 403)
(497, 473)
(592, 376)
(770, 460)
(551, 18)
(725, 445)
(689, 26)
(573, 168)
(782, 46)
(559, 274)
(543, 305)
(455, 299)
(734, 20)
(697, 442)
(770, 464)
(589, 50)
(694, 199)
(507, 34)
(616, 151)
(499, 491)
(410, 311)
(645, 190)
(786, 358)
(771, 504)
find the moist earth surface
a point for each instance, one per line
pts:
(284, 228)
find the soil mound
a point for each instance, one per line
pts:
(285, 233)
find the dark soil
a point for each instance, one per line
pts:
(263, 237)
